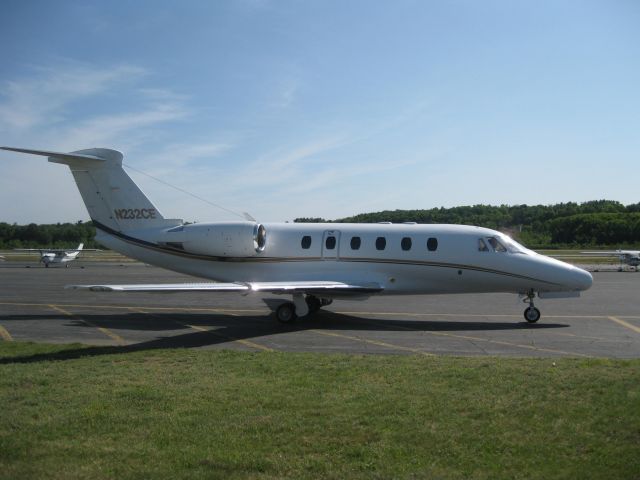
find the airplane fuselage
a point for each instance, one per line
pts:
(402, 258)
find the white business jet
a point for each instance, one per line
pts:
(50, 256)
(313, 263)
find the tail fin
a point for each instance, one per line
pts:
(112, 199)
(80, 247)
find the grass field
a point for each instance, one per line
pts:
(105, 412)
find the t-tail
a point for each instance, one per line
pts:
(113, 200)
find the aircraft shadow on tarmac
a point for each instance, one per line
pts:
(227, 328)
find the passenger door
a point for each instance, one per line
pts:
(331, 245)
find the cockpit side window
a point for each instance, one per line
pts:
(496, 245)
(482, 246)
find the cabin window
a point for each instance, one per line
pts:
(406, 244)
(482, 246)
(355, 243)
(330, 242)
(432, 244)
(381, 243)
(306, 242)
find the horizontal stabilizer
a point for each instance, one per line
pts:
(60, 155)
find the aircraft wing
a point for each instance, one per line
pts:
(306, 287)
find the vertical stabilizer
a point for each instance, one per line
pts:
(112, 199)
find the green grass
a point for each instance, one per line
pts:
(105, 412)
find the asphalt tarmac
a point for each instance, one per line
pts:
(604, 322)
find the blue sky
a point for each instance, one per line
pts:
(324, 109)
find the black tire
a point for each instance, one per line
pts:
(286, 312)
(313, 303)
(532, 314)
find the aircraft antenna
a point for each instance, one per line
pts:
(197, 197)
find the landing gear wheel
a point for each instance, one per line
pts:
(286, 313)
(313, 303)
(326, 301)
(532, 314)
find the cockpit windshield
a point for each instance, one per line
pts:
(500, 244)
(512, 245)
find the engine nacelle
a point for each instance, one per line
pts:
(224, 239)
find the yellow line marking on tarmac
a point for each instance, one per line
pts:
(625, 324)
(488, 340)
(519, 345)
(247, 343)
(584, 337)
(373, 342)
(106, 331)
(5, 335)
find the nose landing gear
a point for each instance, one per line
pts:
(531, 313)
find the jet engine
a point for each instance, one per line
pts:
(224, 239)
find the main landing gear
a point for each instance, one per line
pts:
(301, 306)
(531, 313)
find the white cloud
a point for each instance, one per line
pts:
(110, 129)
(41, 100)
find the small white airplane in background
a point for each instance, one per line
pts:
(629, 257)
(50, 256)
(314, 263)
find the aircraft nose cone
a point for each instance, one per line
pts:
(582, 279)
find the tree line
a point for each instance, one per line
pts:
(59, 235)
(598, 223)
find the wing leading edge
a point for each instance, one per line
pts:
(307, 287)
